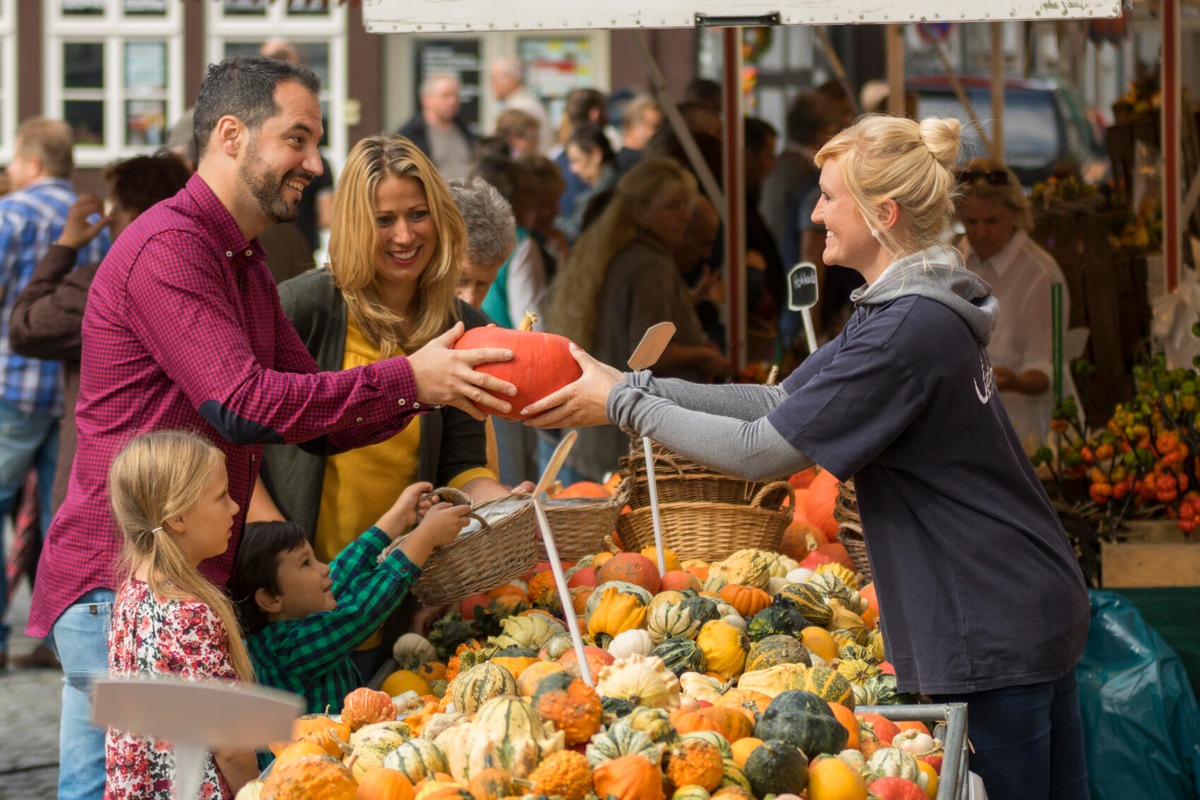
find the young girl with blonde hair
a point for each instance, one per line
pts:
(170, 496)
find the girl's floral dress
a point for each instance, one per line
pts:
(151, 636)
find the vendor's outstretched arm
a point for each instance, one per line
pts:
(745, 401)
(751, 449)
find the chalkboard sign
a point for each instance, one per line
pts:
(459, 57)
(802, 286)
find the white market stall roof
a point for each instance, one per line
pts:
(436, 16)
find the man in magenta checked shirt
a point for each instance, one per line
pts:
(183, 329)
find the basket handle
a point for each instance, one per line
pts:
(760, 497)
(394, 545)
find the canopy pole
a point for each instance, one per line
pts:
(961, 94)
(1171, 100)
(735, 201)
(839, 70)
(997, 146)
(895, 70)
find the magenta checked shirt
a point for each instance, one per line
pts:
(183, 329)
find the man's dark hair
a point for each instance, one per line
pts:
(757, 132)
(257, 567)
(139, 182)
(244, 87)
(590, 139)
(808, 116)
(580, 104)
(705, 92)
(502, 173)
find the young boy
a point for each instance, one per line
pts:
(303, 618)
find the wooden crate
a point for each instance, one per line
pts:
(1153, 555)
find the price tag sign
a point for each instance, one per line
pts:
(802, 286)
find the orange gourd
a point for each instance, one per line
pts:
(543, 591)
(818, 507)
(845, 715)
(298, 750)
(833, 779)
(794, 542)
(585, 489)
(746, 600)
(309, 778)
(491, 783)
(532, 675)
(695, 762)
(730, 723)
(541, 364)
(381, 783)
(629, 777)
(564, 774)
(569, 703)
(365, 706)
(747, 701)
(632, 568)
(670, 557)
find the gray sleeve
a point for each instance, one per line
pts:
(744, 401)
(752, 449)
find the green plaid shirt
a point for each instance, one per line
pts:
(311, 656)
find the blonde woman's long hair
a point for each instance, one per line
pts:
(155, 477)
(884, 157)
(354, 246)
(574, 306)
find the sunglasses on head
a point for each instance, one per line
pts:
(997, 178)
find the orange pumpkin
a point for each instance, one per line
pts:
(365, 706)
(564, 774)
(632, 568)
(746, 600)
(381, 783)
(845, 715)
(629, 777)
(695, 762)
(833, 779)
(670, 557)
(597, 658)
(541, 364)
(432, 671)
(320, 729)
(532, 675)
(730, 723)
(804, 478)
(794, 543)
(818, 506)
(585, 489)
(678, 580)
(298, 750)
(747, 701)
(742, 749)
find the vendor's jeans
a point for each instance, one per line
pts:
(81, 640)
(27, 441)
(1028, 740)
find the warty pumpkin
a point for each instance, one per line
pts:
(564, 774)
(570, 704)
(541, 364)
(695, 762)
(629, 777)
(364, 706)
(310, 778)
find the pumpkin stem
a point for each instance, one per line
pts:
(810, 543)
(528, 321)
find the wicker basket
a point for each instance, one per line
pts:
(579, 524)
(845, 512)
(681, 480)
(505, 547)
(712, 531)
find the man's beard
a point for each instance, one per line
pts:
(267, 188)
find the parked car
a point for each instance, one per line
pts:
(1045, 124)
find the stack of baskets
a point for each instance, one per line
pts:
(705, 514)
(845, 513)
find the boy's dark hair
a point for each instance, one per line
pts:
(244, 87)
(139, 182)
(257, 567)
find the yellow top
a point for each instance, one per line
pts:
(360, 485)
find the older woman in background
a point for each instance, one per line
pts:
(997, 217)
(491, 236)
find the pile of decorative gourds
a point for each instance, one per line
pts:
(726, 681)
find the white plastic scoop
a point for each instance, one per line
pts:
(196, 718)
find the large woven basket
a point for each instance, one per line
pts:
(712, 531)
(506, 546)
(678, 479)
(579, 524)
(845, 513)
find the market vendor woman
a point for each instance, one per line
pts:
(982, 599)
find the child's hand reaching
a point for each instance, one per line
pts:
(441, 526)
(405, 511)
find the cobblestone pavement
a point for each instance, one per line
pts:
(30, 701)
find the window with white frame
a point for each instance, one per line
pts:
(114, 71)
(317, 30)
(8, 77)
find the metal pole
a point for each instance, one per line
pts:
(997, 148)
(1171, 100)
(735, 201)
